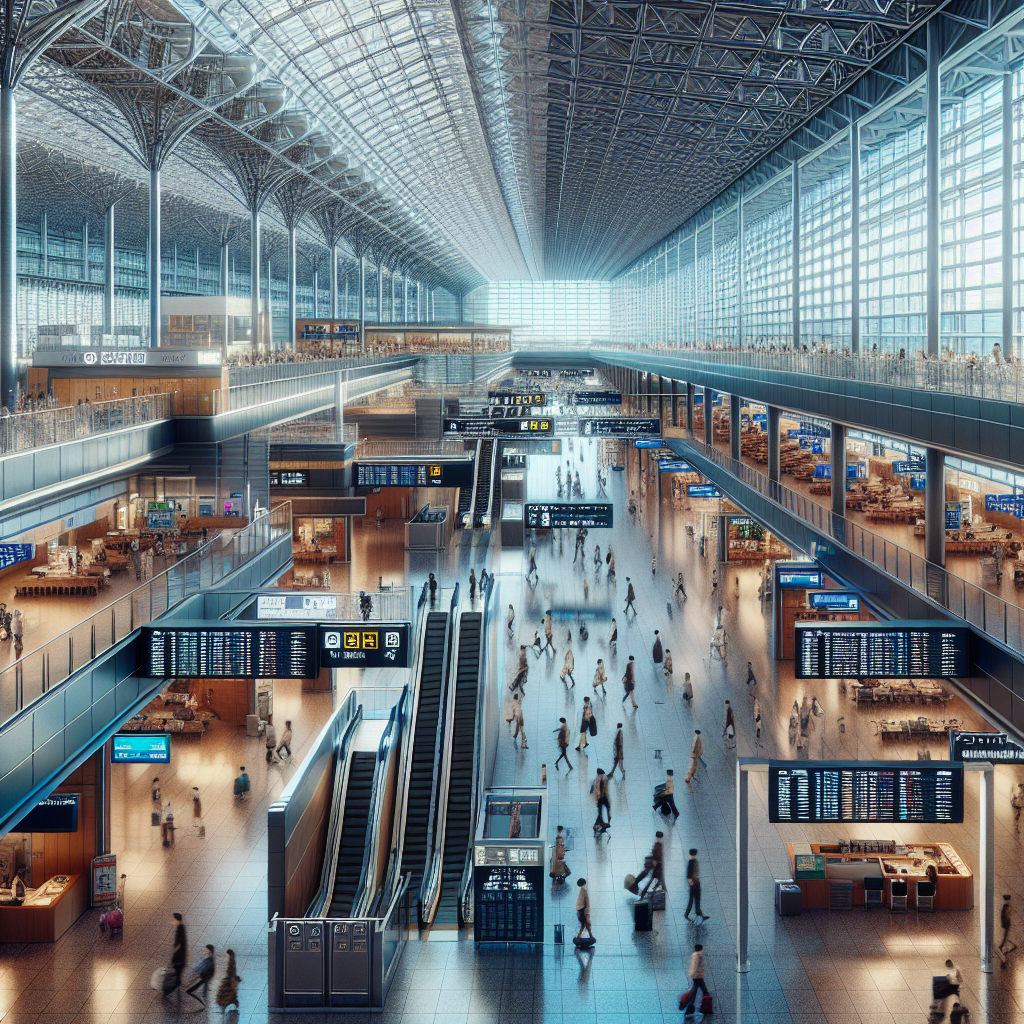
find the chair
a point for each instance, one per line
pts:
(874, 887)
(925, 893)
(897, 895)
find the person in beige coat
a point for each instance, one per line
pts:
(696, 753)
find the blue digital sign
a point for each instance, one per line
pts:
(800, 578)
(11, 554)
(914, 466)
(835, 601)
(647, 442)
(141, 748)
(703, 491)
(822, 472)
(674, 466)
(1010, 503)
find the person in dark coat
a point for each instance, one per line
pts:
(179, 953)
(657, 648)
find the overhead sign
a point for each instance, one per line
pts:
(296, 606)
(289, 478)
(533, 446)
(851, 791)
(58, 813)
(703, 491)
(800, 577)
(835, 601)
(152, 357)
(568, 516)
(141, 748)
(413, 474)
(907, 467)
(883, 650)
(485, 427)
(620, 426)
(365, 645)
(953, 512)
(516, 398)
(11, 554)
(1011, 503)
(597, 398)
(647, 442)
(996, 747)
(674, 466)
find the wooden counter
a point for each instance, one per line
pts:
(46, 924)
(952, 891)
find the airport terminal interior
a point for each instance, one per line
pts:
(512, 514)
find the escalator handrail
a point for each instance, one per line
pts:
(439, 746)
(411, 712)
(466, 885)
(321, 902)
(371, 848)
(430, 890)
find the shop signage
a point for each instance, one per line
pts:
(1011, 503)
(891, 792)
(141, 748)
(365, 645)
(800, 578)
(153, 357)
(296, 606)
(104, 880)
(996, 747)
(881, 650)
(703, 491)
(647, 442)
(914, 466)
(835, 601)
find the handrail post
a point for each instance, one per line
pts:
(71, 653)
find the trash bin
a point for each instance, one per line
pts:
(252, 725)
(789, 901)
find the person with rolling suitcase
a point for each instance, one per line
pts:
(583, 915)
(688, 999)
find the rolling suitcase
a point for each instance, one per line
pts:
(705, 1006)
(643, 916)
(657, 898)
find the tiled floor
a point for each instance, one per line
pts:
(820, 968)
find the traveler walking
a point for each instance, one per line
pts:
(179, 953)
(687, 688)
(657, 653)
(654, 865)
(227, 991)
(757, 721)
(679, 588)
(472, 586)
(583, 911)
(729, 732)
(559, 869)
(668, 666)
(286, 739)
(509, 619)
(241, 784)
(696, 973)
(532, 571)
(1006, 922)
(630, 598)
(568, 664)
(270, 739)
(693, 881)
(617, 753)
(517, 722)
(599, 791)
(629, 682)
(696, 755)
(613, 637)
(600, 677)
(1017, 803)
(751, 678)
(588, 726)
(562, 739)
(664, 796)
(548, 633)
(432, 584)
(204, 973)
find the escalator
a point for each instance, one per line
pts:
(418, 831)
(496, 483)
(485, 461)
(352, 845)
(466, 498)
(458, 817)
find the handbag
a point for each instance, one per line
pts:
(593, 727)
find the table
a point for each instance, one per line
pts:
(54, 585)
(916, 728)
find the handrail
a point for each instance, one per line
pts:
(981, 608)
(371, 848)
(321, 902)
(443, 710)
(412, 714)
(466, 882)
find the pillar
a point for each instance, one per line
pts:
(709, 417)
(674, 389)
(316, 294)
(774, 447)
(935, 506)
(691, 394)
(268, 342)
(254, 278)
(933, 185)
(855, 238)
(380, 293)
(1007, 221)
(796, 256)
(154, 257)
(333, 260)
(102, 798)
(108, 271)
(8, 246)
(735, 425)
(740, 263)
(174, 267)
(225, 269)
(419, 289)
(362, 292)
(405, 298)
(290, 255)
(85, 251)
(837, 465)
(44, 243)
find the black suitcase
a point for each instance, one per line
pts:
(643, 916)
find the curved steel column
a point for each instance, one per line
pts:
(155, 265)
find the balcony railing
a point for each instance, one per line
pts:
(986, 611)
(36, 673)
(412, 450)
(244, 396)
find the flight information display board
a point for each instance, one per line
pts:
(508, 903)
(996, 747)
(365, 645)
(516, 398)
(835, 601)
(210, 650)
(620, 426)
(480, 427)
(11, 554)
(674, 466)
(799, 578)
(412, 474)
(568, 516)
(140, 748)
(597, 398)
(854, 791)
(703, 491)
(1011, 503)
(883, 650)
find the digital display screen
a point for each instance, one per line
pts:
(160, 519)
(11, 554)
(223, 651)
(58, 813)
(597, 398)
(835, 601)
(953, 511)
(296, 606)
(822, 472)
(703, 491)
(675, 466)
(508, 903)
(567, 516)
(1011, 503)
(479, 427)
(365, 646)
(850, 791)
(516, 398)
(141, 748)
(646, 442)
(902, 650)
(620, 426)
(996, 747)
(800, 578)
(289, 478)
(411, 474)
(907, 467)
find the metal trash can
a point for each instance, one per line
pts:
(789, 900)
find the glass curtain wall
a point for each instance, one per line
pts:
(688, 290)
(560, 312)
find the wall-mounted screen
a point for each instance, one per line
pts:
(703, 491)
(835, 601)
(141, 748)
(568, 516)
(620, 426)
(58, 813)
(11, 554)
(995, 747)
(412, 474)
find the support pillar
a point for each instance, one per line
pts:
(796, 257)
(419, 289)
(709, 418)
(774, 445)
(935, 506)
(933, 185)
(333, 260)
(225, 269)
(268, 343)
(316, 297)
(174, 268)
(362, 303)
(735, 425)
(85, 251)
(405, 298)
(674, 389)
(290, 255)
(1006, 231)
(44, 243)
(742, 881)
(102, 797)
(8, 247)
(986, 862)
(855, 238)
(155, 266)
(380, 293)
(691, 394)
(837, 464)
(109, 254)
(254, 278)
(740, 264)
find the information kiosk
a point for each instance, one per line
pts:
(510, 866)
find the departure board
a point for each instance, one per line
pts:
(996, 747)
(11, 554)
(568, 516)
(596, 398)
(883, 650)
(212, 650)
(854, 791)
(508, 904)
(516, 398)
(620, 426)
(412, 474)
(481, 427)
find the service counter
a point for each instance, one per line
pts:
(815, 865)
(46, 913)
